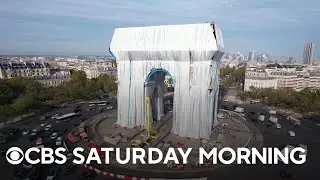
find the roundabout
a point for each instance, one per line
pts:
(234, 131)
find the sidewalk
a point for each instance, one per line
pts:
(17, 119)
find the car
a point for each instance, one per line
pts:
(25, 132)
(39, 141)
(48, 127)
(34, 132)
(277, 125)
(59, 141)
(42, 124)
(52, 174)
(55, 116)
(109, 107)
(292, 134)
(54, 135)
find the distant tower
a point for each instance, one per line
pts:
(308, 53)
(290, 60)
(251, 56)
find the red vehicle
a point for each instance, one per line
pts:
(93, 145)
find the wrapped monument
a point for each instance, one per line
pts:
(190, 53)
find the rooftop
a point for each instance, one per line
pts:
(260, 78)
(18, 65)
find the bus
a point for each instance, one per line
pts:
(97, 102)
(64, 116)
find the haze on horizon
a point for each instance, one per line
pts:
(71, 27)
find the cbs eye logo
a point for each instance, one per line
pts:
(14, 155)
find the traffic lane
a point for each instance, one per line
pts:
(278, 138)
(263, 172)
(305, 134)
(78, 174)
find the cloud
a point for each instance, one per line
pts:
(231, 13)
(34, 17)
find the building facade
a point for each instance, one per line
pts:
(281, 78)
(52, 81)
(23, 69)
(260, 82)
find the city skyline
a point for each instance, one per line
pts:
(80, 27)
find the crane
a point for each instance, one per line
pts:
(148, 124)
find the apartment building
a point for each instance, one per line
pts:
(23, 69)
(281, 78)
(288, 79)
(53, 80)
(260, 82)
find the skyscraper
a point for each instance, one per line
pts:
(251, 56)
(308, 53)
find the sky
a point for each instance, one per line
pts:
(85, 27)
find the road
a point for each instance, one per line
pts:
(23, 142)
(308, 133)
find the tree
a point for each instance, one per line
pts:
(79, 77)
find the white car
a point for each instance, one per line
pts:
(55, 116)
(54, 135)
(292, 134)
(25, 132)
(42, 124)
(109, 107)
(277, 125)
(34, 132)
(59, 141)
(48, 127)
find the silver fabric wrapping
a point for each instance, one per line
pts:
(174, 48)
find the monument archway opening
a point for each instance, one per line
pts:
(159, 91)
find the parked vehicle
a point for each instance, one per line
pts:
(277, 125)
